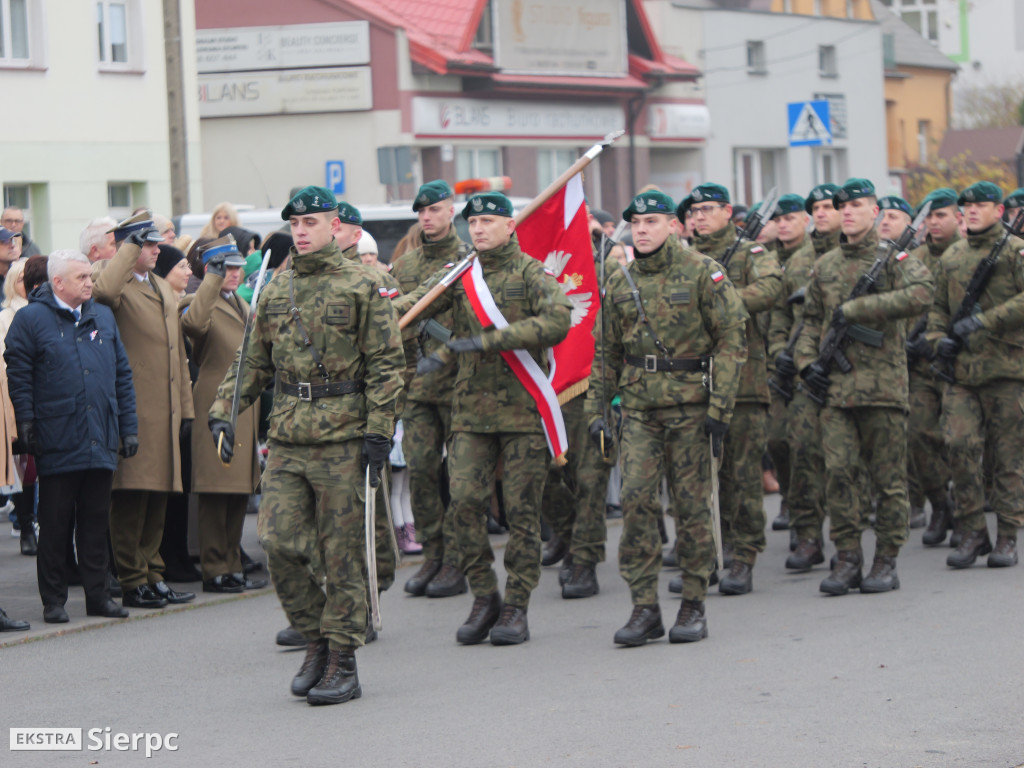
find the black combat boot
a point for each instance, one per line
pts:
(675, 584)
(644, 624)
(917, 517)
(739, 580)
(290, 638)
(691, 624)
(582, 582)
(807, 555)
(669, 558)
(972, 544)
(882, 577)
(449, 582)
(566, 570)
(845, 574)
(511, 627)
(482, 617)
(781, 521)
(1005, 553)
(941, 521)
(554, 550)
(417, 585)
(312, 668)
(340, 681)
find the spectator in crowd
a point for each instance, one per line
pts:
(67, 368)
(410, 240)
(223, 216)
(401, 504)
(174, 268)
(165, 227)
(7, 475)
(10, 250)
(367, 250)
(147, 317)
(246, 240)
(97, 240)
(14, 219)
(606, 223)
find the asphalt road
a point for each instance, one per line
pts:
(930, 675)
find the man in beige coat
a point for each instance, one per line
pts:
(213, 318)
(147, 318)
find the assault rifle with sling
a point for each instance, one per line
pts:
(752, 227)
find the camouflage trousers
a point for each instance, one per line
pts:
(976, 418)
(665, 442)
(807, 467)
(778, 442)
(928, 472)
(472, 461)
(312, 512)
(741, 488)
(574, 495)
(875, 438)
(427, 427)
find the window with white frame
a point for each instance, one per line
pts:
(922, 15)
(119, 199)
(21, 43)
(756, 62)
(551, 163)
(477, 162)
(756, 172)
(119, 35)
(827, 66)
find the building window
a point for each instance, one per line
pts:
(551, 163)
(119, 35)
(755, 173)
(476, 163)
(836, 112)
(756, 64)
(924, 130)
(119, 199)
(14, 40)
(829, 165)
(20, 196)
(484, 38)
(827, 61)
(922, 15)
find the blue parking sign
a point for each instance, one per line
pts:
(335, 172)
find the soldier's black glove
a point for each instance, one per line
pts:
(962, 329)
(429, 364)
(215, 265)
(947, 348)
(716, 430)
(816, 377)
(376, 449)
(129, 445)
(838, 317)
(138, 237)
(26, 438)
(784, 365)
(918, 347)
(227, 447)
(599, 428)
(471, 344)
(185, 431)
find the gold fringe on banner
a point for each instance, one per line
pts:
(576, 389)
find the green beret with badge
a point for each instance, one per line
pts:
(1015, 199)
(488, 204)
(654, 201)
(943, 197)
(349, 214)
(819, 193)
(853, 189)
(310, 200)
(981, 192)
(432, 192)
(895, 203)
(788, 204)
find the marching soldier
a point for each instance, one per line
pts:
(825, 235)
(982, 408)
(326, 329)
(676, 341)
(928, 468)
(864, 416)
(896, 217)
(758, 278)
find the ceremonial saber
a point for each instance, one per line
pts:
(455, 272)
(371, 550)
(386, 491)
(242, 351)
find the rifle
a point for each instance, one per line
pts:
(753, 226)
(984, 271)
(783, 385)
(606, 245)
(838, 335)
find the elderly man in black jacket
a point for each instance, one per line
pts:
(74, 405)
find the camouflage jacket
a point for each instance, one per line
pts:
(411, 269)
(997, 350)
(758, 277)
(903, 290)
(487, 396)
(797, 263)
(347, 313)
(694, 310)
(928, 252)
(824, 243)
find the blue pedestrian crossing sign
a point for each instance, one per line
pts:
(809, 124)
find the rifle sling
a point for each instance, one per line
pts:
(302, 329)
(637, 299)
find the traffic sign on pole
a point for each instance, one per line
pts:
(809, 124)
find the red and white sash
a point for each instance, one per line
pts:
(522, 364)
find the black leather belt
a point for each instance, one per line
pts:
(306, 391)
(652, 363)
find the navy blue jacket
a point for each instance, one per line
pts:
(74, 383)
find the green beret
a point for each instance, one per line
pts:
(853, 189)
(432, 192)
(981, 192)
(310, 200)
(1015, 199)
(895, 203)
(349, 214)
(654, 201)
(942, 197)
(788, 204)
(710, 192)
(819, 193)
(487, 204)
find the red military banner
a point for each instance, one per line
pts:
(557, 234)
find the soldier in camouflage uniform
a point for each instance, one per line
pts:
(494, 417)
(427, 414)
(799, 417)
(928, 472)
(826, 219)
(757, 276)
(984, 406)
(865, 413)
(333, 415)
(896, 216)
(675, 319)
(1013, 202)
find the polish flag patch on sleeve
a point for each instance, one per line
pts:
(717, 276)
(449, 265)
(384, 292)
(901, 255)
(757, 249)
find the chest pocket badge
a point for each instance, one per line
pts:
(515, 291)
(277, 307)
(679, 297)
(338, 314)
